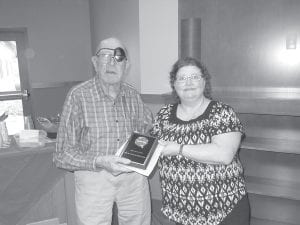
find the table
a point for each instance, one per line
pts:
(26, 174)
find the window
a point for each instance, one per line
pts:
(14, 85)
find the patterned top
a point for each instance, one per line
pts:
(94, 124)
(194, 192)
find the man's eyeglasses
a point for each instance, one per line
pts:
(192, 77)
(118, 55)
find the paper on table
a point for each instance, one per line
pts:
(30, 138)
(151, 164)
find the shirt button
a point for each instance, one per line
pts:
(118, 139)
(117, 121)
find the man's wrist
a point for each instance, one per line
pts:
(99, 161)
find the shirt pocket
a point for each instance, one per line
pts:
(97, 128)
(84, 138)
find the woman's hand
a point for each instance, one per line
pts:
(170, 148)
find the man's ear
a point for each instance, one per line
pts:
(95, 63)
(127, 66)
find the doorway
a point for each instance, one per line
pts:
(14, 83)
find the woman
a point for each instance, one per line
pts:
(201, 176)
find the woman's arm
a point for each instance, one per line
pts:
(221, 150)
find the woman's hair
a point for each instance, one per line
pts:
(189, 61)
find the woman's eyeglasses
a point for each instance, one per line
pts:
(118, 55)
(192, 77)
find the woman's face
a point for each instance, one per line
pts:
(189, 84)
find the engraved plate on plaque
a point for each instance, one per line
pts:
(139, 149)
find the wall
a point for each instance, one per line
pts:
(158, 43)
(246, 39)
(59, 42)
(58, 36)
(118, 18)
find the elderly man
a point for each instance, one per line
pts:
(98, 117)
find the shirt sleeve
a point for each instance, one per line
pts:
(70, 153)
(225, 120)
(157, 127)
(145, 116)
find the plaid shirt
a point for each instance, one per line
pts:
(93, 124)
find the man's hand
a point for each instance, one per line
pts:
(113, 164)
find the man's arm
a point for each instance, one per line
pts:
(70, 153)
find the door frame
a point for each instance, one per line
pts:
(21, 37)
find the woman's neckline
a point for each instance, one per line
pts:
(205, 112)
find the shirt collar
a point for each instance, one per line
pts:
(102, 92)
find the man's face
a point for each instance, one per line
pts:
(110, 62)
